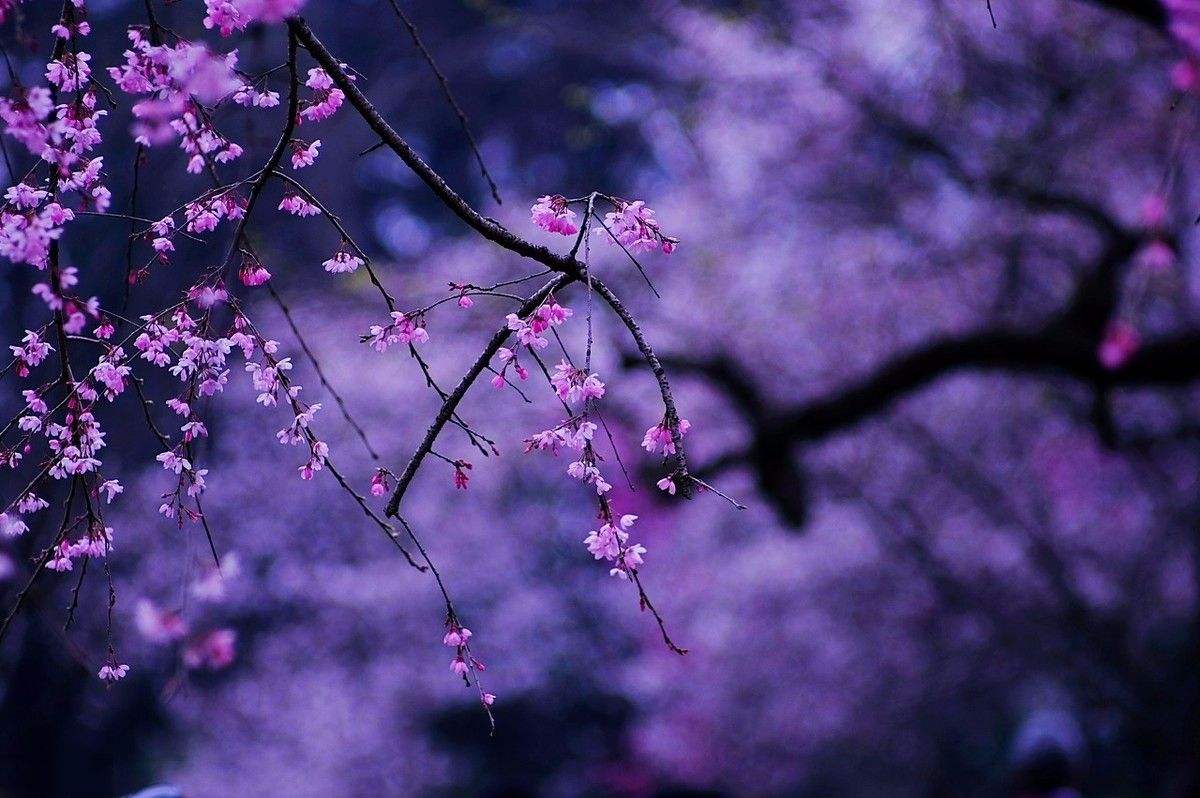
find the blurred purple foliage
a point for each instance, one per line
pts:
(970, 560)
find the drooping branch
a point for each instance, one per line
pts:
(493, 231)
(682, 478)
(456, 396)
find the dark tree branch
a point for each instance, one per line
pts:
(1050, 352)
(488, 228)
(455, 397)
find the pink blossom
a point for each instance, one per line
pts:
(298, 206)
(456, 636)
(25, 196)
(575, 385)
(159, 626)
(304, 155)
(606, 542)
(633, 225)
(31, 503)
(70, 71)
(342, 263)
(629, 561)
(173, 462)
(589, 474)
(552, 215)
(660, 435)
(207, 295)
(111, 488)
(326, 100)
(251, 97)
(61, 561)
(402, 330)
(112, 672)
(253, 273)
(12, 526)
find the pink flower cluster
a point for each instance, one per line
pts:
(112, 672)
(178, 80)
(552, 215)
(298, 206)
(62, 136)
(634, 226)
(32, 351)
(531, 331)
(575, 385)
(610, 542)
(177, 88)
(213, 648)
(326, 99)
(572, 434)
(508, 358)
(304, 154)
(342, 262)
(228, 16)
(456, 637)
(660, 435)
(402, 330)
(94, 543)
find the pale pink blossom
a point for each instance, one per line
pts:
(112, 672)
(342, 263)
(304, 154)
(660, 435)
(634, 227)
(298, 206)
(213, 651)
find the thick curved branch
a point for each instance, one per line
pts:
(488, 228)
(1169, 362)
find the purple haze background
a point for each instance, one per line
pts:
(987, 586)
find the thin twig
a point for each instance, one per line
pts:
(462, 118)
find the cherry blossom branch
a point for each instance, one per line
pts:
(455, 397)
(312, 357)
(452, 618)
(43, 559)
(341, 229)
(683, 479)
(289, 126)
